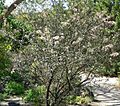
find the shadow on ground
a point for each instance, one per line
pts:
(107, 94)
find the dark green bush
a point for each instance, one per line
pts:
(15, 76)
(3, 96)
(13, 88)
(72, 99)
(36, 95)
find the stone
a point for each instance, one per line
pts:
(13, 104)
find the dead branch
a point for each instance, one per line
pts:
(10, 9)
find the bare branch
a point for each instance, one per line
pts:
(10, 9)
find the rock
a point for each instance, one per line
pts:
(13, 104)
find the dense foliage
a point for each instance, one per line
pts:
(47, 51)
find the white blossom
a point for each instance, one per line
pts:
(56, 37)
(114, 54)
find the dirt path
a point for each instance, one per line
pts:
(14, 101)
(106, 92)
